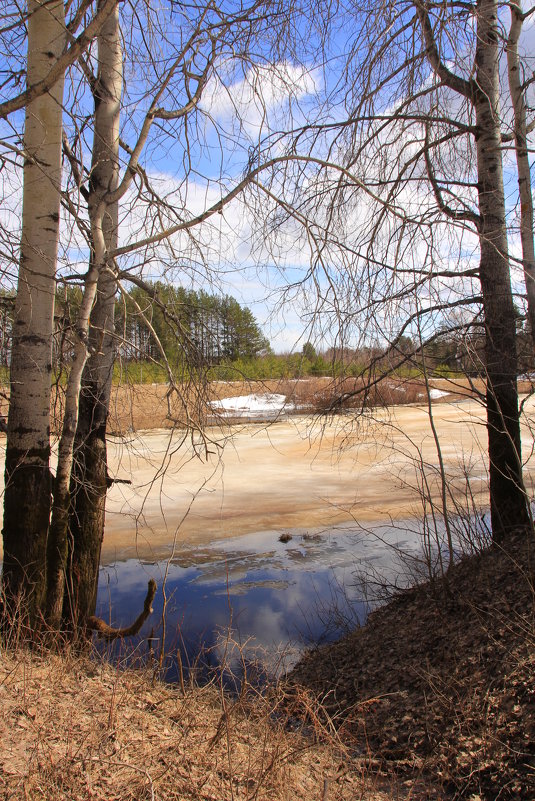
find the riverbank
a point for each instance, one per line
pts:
(438, 686)
(433, 699)
(79, 730)
(301, 473)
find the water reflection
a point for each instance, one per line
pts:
(252, 598)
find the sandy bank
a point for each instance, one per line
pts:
(291, 474)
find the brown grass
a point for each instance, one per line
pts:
(149, 406)
(440, 680)
(76, 729)
(137, 407)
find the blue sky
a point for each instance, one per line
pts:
(191, 166)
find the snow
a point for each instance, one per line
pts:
(252, 405)
(435, 394)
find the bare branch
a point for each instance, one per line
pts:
(63, 62)
(448, 78)
(107, 632)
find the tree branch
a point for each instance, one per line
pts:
(455, 82)
(60, 66)
(107, 632)
(469, 216)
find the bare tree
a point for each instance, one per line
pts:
(28, 480)
(519, 82)
(409, 189)
(98, 303)
(53, 45)
(208, 36)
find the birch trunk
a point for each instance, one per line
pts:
(522, 160)
(508, 501)
(90, 469)
(507, 495)
(89, 478)
(27, 474)
(56, 555)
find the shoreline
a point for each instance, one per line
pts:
(298, 473)
(292, 474)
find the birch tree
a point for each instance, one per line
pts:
(406, 215)
(471, 84)
(519, 81)
(53, 45)
(208, 36)
(27, 475)
(94, 342)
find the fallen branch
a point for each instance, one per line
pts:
(106, 632)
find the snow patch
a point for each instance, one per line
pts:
(252, 405)
(435, 394)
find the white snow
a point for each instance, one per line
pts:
(252, 405)
(435, 394)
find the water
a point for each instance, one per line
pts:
(253, 599)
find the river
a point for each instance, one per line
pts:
(204, 518)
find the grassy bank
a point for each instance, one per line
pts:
(79, 730)
(432, 699)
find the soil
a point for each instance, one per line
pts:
(438, 686)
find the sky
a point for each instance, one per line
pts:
(192, 165)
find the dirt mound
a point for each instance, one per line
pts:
(439, 683)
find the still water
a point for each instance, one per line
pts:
(255, 599)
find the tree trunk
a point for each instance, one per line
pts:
(57, 537)
(522, 160)
(27, 473)
(88, 490)
(89, 474)
(507, 495)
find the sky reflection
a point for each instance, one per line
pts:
(252, 597)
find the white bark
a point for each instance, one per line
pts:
(27, 496)
(522, 159)
(507, 494)
(104, 225)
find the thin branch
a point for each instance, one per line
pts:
(107, 632)
(63, 62)
(469, 216)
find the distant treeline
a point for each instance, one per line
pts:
(199, 331)
(193, 328)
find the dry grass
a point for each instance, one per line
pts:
(148, 406)
(137, 407)
(440, 680)
(77, 729)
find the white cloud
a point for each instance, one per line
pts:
(262, 98)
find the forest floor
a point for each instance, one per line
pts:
(72, 729)
(438, 686)
(432, 699)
